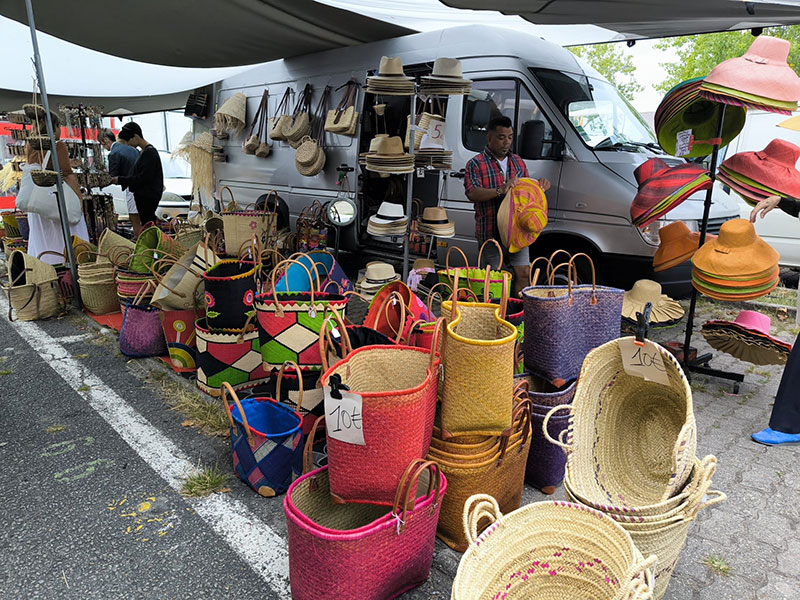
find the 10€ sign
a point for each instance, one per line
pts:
(343, 417)
(643, 360)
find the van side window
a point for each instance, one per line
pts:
(492, 98)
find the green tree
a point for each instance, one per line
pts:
(698, 54)
(613, 64)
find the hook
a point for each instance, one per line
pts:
(336, 384)
(643, 323)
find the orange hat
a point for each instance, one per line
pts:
(738, 251)
(678, 245)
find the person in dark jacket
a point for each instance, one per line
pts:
(146, 181)
(121, 159)
(784, 423)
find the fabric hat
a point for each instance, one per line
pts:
(522, 215)
(677, 245)
(747, 338)
(762, 71)
(659, 183)
(754, 283)
(774, 166)
(684, 108)
(737, 251)
(434, 220)
(643, 291)
(391, 67)
(376, 276)
(389, 213)
(748, 193)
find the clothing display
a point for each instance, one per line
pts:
(662, 188)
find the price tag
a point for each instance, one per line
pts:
(343, 417)
(643, 361)
(684, 142)
(434, 137)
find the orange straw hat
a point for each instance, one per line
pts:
(738, 251)
(678, 245)
(522, 215)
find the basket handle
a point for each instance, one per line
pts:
(227, 389)
(454, 296)
(480, 254)
(429, 305)
(523, 385)
(594, 274)
(384, 307)
(406, 490)
(299, 382)
(437, 334)
(506, 293)
(232, 206)
(636, 589)
(476, 508)
(295, 258)
(534, 278)
(447, 260)
(325, 336)
(712, 497)
(61, 254)
(546, 421)
(278, 309)
(308, 449)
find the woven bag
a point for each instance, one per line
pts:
(312, 231)
(33, 288)
(280, 119)
(10, 225)
(301, 118)
(179, 332)
(231, 287)
(253, 138)
(398, 386)
(241, 225)
(548, 551)
(362, 551)
(475, 277)
(563, 323)
(301, 394)
(631, 441)
(24, 227)
(151, 245)
(396, 318)
(338, 340)
(420, 332)
(478, 362)
(141, 335)
(344, 118)
(326, 272)
(182, 281)
(228, 355)
(493, 465)
(266, 442)
(100, 296)
(112, 244)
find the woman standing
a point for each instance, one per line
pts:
(784, 424)
(46, 234)
(146, 179)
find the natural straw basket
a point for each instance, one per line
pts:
(99, 297)
(632, 441)
(548, 551)
(44, 177)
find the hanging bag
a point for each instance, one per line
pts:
(301, 119)
(240, 225)
(251, 143)
(281, 119)
(344, 118)
(141, 335)
(33, 288)
(40, 198)
(312, 228)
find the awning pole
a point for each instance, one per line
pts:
(62, 209)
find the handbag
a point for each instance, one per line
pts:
(179, 286)
(312, 228)
(420, 332)
(395, 320)
(231, 288)
(476, 276)
(241, 225)
(180, 334)
(344, 119)
(358, 552)
(253, 139)
(290, 322)
(266, 441)
(564, 322)
(337, 339)
(33, 288)
(326, 272)
(141, 335)
(300, 124)
(151, 245)
(280, 119)
(42, 201)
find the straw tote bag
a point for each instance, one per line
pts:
(253, 140)
(344, 118)
(241, 225)
(300, 124)
(312, 229)
(475, 277)
(281, 118)
(33, 288)
(325, 270)
(310, 156)
(564, 322)
(564, 550)
(231, 287)
(358, 551)
(398, 386)
(478, 363)
(180, 334)
(338, 340)
(179, 286)
(397, 318)
(289, 322)
(151, 245)
(141, 335)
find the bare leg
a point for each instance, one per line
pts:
(137, 224)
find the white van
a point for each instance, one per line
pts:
(572, 127)
(779, 230)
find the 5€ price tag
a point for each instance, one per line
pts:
(343, 417)
(643, 361)
(684, 142)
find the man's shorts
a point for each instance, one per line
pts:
(512, 259)
(132, 210)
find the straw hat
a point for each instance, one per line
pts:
(389, 213)
(662, 188)
(773, 167)
(434, 221)
(377, 275)
(447, 70)
(665, 309)
(678, 245)
(391, 68)
(522, 215)
(762, 71)
(390, 79)
(389, 157)
(747, 338)
(315, 168)
(232, 115)
(737, 251)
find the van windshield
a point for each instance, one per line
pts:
(596, 110)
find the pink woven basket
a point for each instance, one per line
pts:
(360, 551)
(398, 386)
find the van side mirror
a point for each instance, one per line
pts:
(531, 140)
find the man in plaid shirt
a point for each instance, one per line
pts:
(489, 176)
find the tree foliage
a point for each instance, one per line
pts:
(613, 64)
(698, 54)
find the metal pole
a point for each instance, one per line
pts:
(410, 185)
(62, 209)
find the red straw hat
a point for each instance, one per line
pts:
(658, 181)
(774, 166)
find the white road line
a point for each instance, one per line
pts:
(253, 540)
(71, 339)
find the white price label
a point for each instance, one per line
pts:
(343, 417)
(643, 361)
(684, 142)
(434, 136)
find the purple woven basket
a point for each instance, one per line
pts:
(543, 394)
(24, 226)
(141, 334)
(546, 462)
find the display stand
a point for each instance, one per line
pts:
(410, 185)
(700, 363)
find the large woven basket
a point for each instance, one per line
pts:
(33, 287)
(99, 297)
(632, 441)
(548, 551)
(111, 245)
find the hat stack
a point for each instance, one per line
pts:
(389, 221)
(758, 175)
(662, 188)
(389, 157)
(446, 79)
(435, 158)
(665, 313)
(390, 79)
(747, 338)
(373, 148)
(434, 222)
(761, 79)
(377, 275)
(678, 245)
(738, 265)
(684, 108)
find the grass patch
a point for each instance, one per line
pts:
(6, 372)
(781, 296)
(83, 388)
(80, 356)
(208, 481)
(56, 428)
(204, 414)
(717, 564)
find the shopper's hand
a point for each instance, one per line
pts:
(114, 180)
(544, 184)
(764, 207)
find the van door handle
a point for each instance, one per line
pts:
(580, 205)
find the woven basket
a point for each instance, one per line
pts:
(11, 226)
(398, 386)
(33, 288)
(39, 142)
(307, 152)
(99, 297)
(24, 227)
(478, 362)
(298, 128)
(315, 168)
(151, 245)
(548, 551)
(632, 441)
(111, 244)
(44, 177)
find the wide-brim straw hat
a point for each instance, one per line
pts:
(659, 182)
(763, 71)
(389, 213)
(235, 109)
(522, 215)
(391, 68)
(773, 167)
(747, 345)
(677, 245)
(447, 71)
(390, 147)
(738, 251)
(684, 108)
(665, 309)
(632, 441)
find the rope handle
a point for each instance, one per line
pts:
(636, 589)
(712, 497)
(546, 421)
(308, 449)
(325, 341)
(499, 248)
(257, 117)
(477, 507)
(406, 489)
(227, 389)
(278, 308)
(299, 382)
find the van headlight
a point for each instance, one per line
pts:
(650, 233)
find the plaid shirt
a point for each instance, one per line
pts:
(483, 171)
